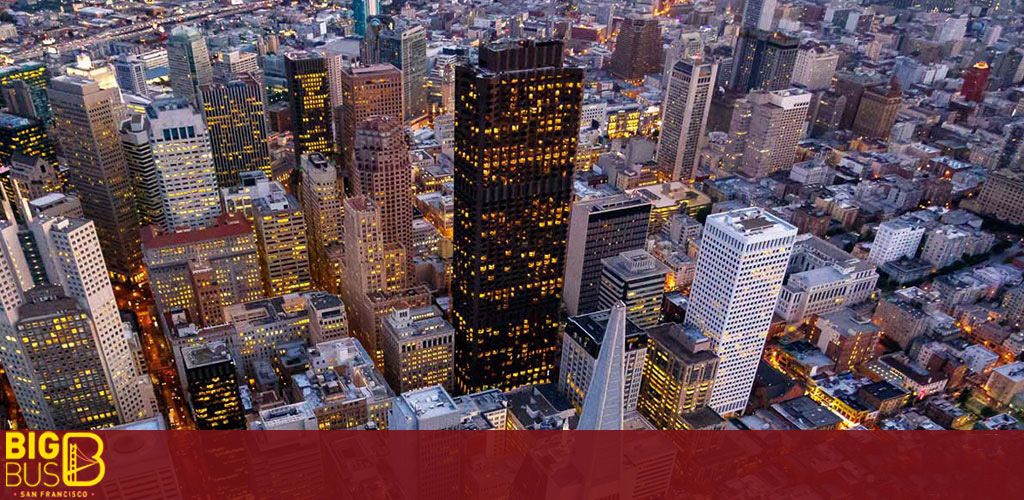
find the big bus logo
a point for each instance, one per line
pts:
(49, 460)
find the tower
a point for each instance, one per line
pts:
(322, 192)
(975, 82)
(188, 61)
(743, 258)
(382, 172)
(877, 111)
(86, 120)
(602, 406)
(374, 90)
(513, 189)
(405, 47)
(684, 126)
(637, 49)
(70, 252)
(130, 71)
(777, 121)
(763, 60)
(600, 228)
(310, 95)
(168, 154)
(237, 121)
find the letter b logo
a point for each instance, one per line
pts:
(82, 465)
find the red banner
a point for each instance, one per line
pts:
(484, 465)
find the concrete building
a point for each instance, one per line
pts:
(581, 344)
(847, 338)
(419, 349)
(322, 192)
(213, 387)
(1005, 382)
(821, 279)
(877, 110)
(1002, 196)
(737, 323)
(637, 49)
(281, 237)
(679, 374)
(685, 117)
(600, 227)
(636, 279)
(171, 164)
(237, 121)
(189, 63)
(367, 90)
(814, 67)
(777, 121)
(86, 119)
(894, 239)
(228, 249)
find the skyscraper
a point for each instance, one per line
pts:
(777, 121)
(602, 406)
(130, 71)
(743, 258)
(86, 120)
(281, 236)
(364, 249)
(169, 151)
(763, 60)
(636, 279)
(310, 94)
(877, 111)
(189, 63)
(237, 123)
(374, 90)
(637, 49)
(684, 126)
(581, 345)
(679, 374)
(37, 76)
(598, 228)
(405, 47)
(513, 175)
(322, 193)
(758, 14)
(382, 172)
(362, 11)
(814, 67)
(60, 346)
(24, 135)
(70, 252)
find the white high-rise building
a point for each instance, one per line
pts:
(169, 157)
(742, 261)
(815, 65)
(70, 252)
(685, 117)
(894, 239)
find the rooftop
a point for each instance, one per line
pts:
(204, 355)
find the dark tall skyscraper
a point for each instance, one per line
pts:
(237, 122)
(310, 95)
(517, 118)
(763, 60)
(637, 49)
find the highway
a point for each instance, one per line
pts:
(143, 28)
